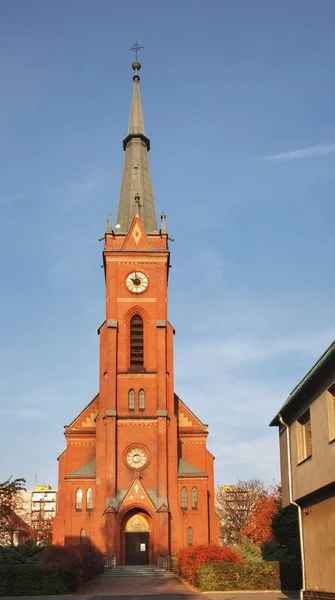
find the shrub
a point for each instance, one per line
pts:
(249, 552)
(32, 580)
(82, 562)
(57, 570)
(27, 553)
(249, 576)
(189, 559)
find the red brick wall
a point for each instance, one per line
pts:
(158, 435)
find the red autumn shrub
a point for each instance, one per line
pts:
(189, 559)
(91, 560)
(61, 556)
(66, 559)
(82, 561)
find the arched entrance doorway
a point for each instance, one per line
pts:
(137, 534)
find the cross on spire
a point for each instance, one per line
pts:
(136, 48)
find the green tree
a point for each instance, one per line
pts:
(285, 527)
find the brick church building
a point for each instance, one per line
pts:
(136, 479)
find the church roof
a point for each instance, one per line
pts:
(136, 194)
(86, 471)
(186, 469)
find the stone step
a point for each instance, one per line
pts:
(137, 571)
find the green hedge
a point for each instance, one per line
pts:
(221, 576)
(35, 580)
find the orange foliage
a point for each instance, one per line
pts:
(189, 559)
(258, 526)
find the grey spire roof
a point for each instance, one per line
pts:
(136, 189)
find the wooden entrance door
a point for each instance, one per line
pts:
(137, 548)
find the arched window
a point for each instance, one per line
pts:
(89, 499)
(194, 497)
(131, 400)
(136, 342)
(190, 536)
(82, 536)
(79, 499)
(184, 498)
(141, 400)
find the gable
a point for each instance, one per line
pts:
(187, 419)
(136, 238)
(86, 419)
(136, 495)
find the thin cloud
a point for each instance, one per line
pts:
(74, 191)
(309, 152)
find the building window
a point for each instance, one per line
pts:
(136, 342)
(304, 430)
(190, 536)
(89, 499)
(79, 499)
(331, 411)
(194, 498)
(131, 400)
(184, 498)
(82, 536)
(141, 400)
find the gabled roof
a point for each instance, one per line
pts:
(305, 383)
(82, 412)
(186, 469)
(191, 413)
(86, 471)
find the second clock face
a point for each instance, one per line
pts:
(137, 282)
(136, 458)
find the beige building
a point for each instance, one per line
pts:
(306, 424)
(37, 508)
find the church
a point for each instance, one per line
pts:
(136, 479)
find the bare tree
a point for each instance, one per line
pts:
(41, 526)
(234, 504)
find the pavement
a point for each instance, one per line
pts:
(157, 588)
(134, 588)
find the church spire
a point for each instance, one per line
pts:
(136, 189)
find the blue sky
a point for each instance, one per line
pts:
(238, 101)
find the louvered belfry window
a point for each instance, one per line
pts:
(136, 342)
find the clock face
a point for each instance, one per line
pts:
(136, 458)
(137, 282)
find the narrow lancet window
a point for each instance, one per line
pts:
(79, 499)
(194, 498)
(141, 400)
(184, 498)
(131, 400)
(89, 499)
(136, 342)
(190, 536)
(82, 536)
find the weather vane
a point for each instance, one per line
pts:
(136, 48)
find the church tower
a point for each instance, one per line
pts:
(136, 479)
